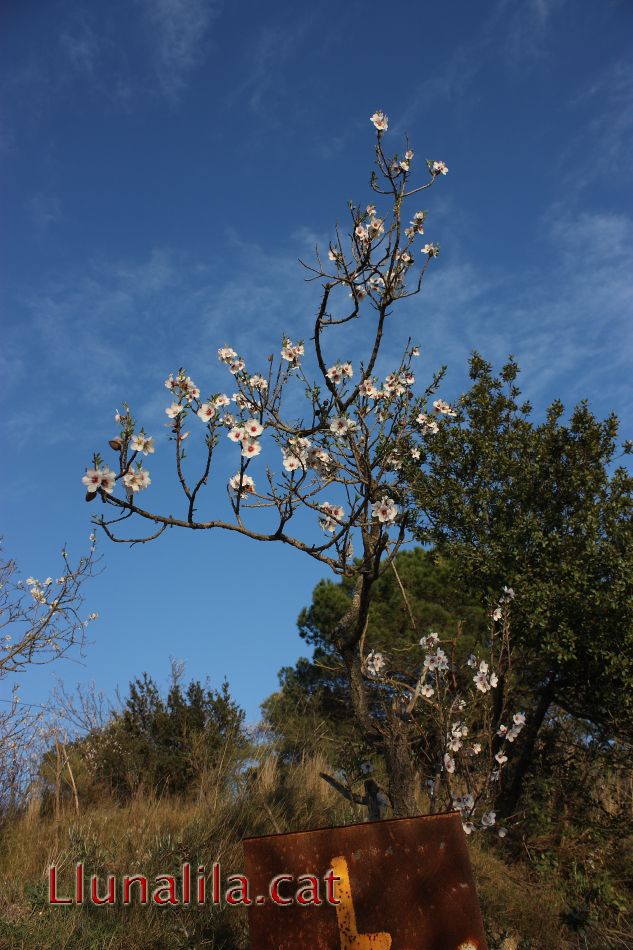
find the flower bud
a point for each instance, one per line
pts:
(115, 444)
(91, 495)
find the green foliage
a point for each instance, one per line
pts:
(166, 743)
(540, 507)
(312, 708)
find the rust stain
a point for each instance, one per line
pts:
(405, 884)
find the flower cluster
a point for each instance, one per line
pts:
(246, 434)
(333, 516)
(182, 386)
(380, 121)
(506, 597)
(245, 481)
(339, 372)
(136, 479)
(518, 722)
(228, 356)
(385, 510)
(291, 352)
(341, 425)
(416, 225)
(374, 663)
(142, 443)
(438, 168)
(99, 478)
(483, 680)
(428, 423)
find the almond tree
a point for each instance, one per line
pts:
(340, 461)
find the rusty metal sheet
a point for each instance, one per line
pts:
(405, 884)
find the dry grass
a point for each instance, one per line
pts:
(151, 835)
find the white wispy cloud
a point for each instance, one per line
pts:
(604, 109)
(118, 328)
(178, 32)
(524, 28)
(266, 61)
(43, 210)
(80, 43)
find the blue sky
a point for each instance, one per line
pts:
(165, 162)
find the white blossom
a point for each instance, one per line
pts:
(341, 425)
(385, 510)
(248, 485)
(206, 412)
(444, 408)
(374, 663)
(136, 479)
(143, 443)
(251, 448)
(380, 121)
(429, 641)
(427, 422)
(290, 352)
(253, 428)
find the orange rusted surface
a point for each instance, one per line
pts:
(405, 884)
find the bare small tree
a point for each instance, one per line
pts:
(41, 620)
(340, 461)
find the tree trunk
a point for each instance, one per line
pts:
(401, 770)
(508, 800)
(390, 739)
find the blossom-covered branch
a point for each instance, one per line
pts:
(341, 459)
